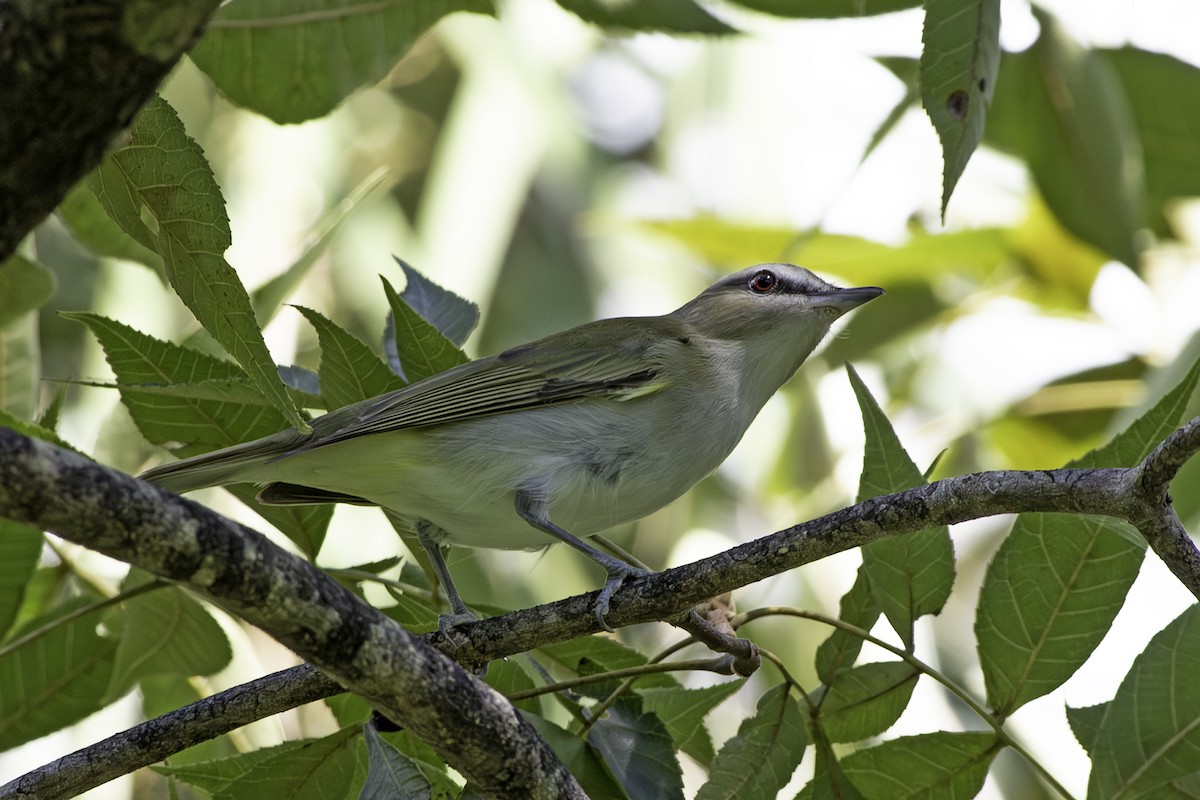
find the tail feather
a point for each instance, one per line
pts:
(236, 464)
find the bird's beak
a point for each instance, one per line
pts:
(845, 299)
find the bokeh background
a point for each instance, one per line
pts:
(555, 173)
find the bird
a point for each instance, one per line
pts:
(558, 439)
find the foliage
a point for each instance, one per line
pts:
(1108, 140)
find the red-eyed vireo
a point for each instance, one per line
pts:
(566, 436)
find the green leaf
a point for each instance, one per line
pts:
(582, 760)
(828, 781)
(1150, 734)
(865, 701)
(1086, 723)
(91, 225)
(24, 286)
(1164, 95)
(828, 9)
(860, 609)
(204, 424)
(350, 370)
(934, 766)
(683, 712)
(20, 549)
(53, 680)
(454, 316)
(760, 758)
(421, 349)
(671, 16)
(20, 367)
(161, 191)
(1057, 582)
(33, 430)
(1060, 108)
(973, 254)
(910, 575)
(318, 769)
(960, 61)
(297, 60)
(391, 775)
(267, 298)
(507, 677)
(166, 631)
(637, 748)
(217, 774)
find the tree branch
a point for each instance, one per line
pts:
(1137, 495)
(76, 72)
(475, 729)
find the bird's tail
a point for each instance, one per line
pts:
(236, 464)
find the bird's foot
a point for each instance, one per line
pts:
(618, 572)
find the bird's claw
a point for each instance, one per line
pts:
(616, 577)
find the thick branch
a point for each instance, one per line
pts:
(75, 74)
(1137, 495)
(474, 728)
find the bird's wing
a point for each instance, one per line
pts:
(599, 359)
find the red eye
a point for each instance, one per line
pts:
(764, 282)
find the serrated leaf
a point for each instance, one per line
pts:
(350, 370)
(581, 759)
(1059, 107)
(202, 424)
(136, 359)
(858, 608)
(865, 701)
(1150, 734)
(53, 680)
(828, 781)
(297, 60)
(91, 225)
(319, 768)
(161, 191)
(960, 61)
(760, 759)
(672, 16)
(683, 712)
(453, 316)
(637, 748)
(421, 350)
(392, 776)
(216, 774)
(1086, 723)
(507, 677)
(24, 286)
(1057, 582)
(828, 9)
(910, 575)
(166, 631)
(935, 766)
(20, 549)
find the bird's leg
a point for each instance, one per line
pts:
(531, 508)
(461, 613)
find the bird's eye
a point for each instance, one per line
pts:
(764, 282)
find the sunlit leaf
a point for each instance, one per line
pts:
(865, 701)
(453, 316)
(1057, 582)
(683, 712)
(960, 59)
(297, 60)
(932, 766)
(1149, 735)
(760, 758)
(350, 370)
(859, 608)
(20, 548)
(86, 218)
(910, 575)
(1060, 108)
(160, 189)
(421, 349)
